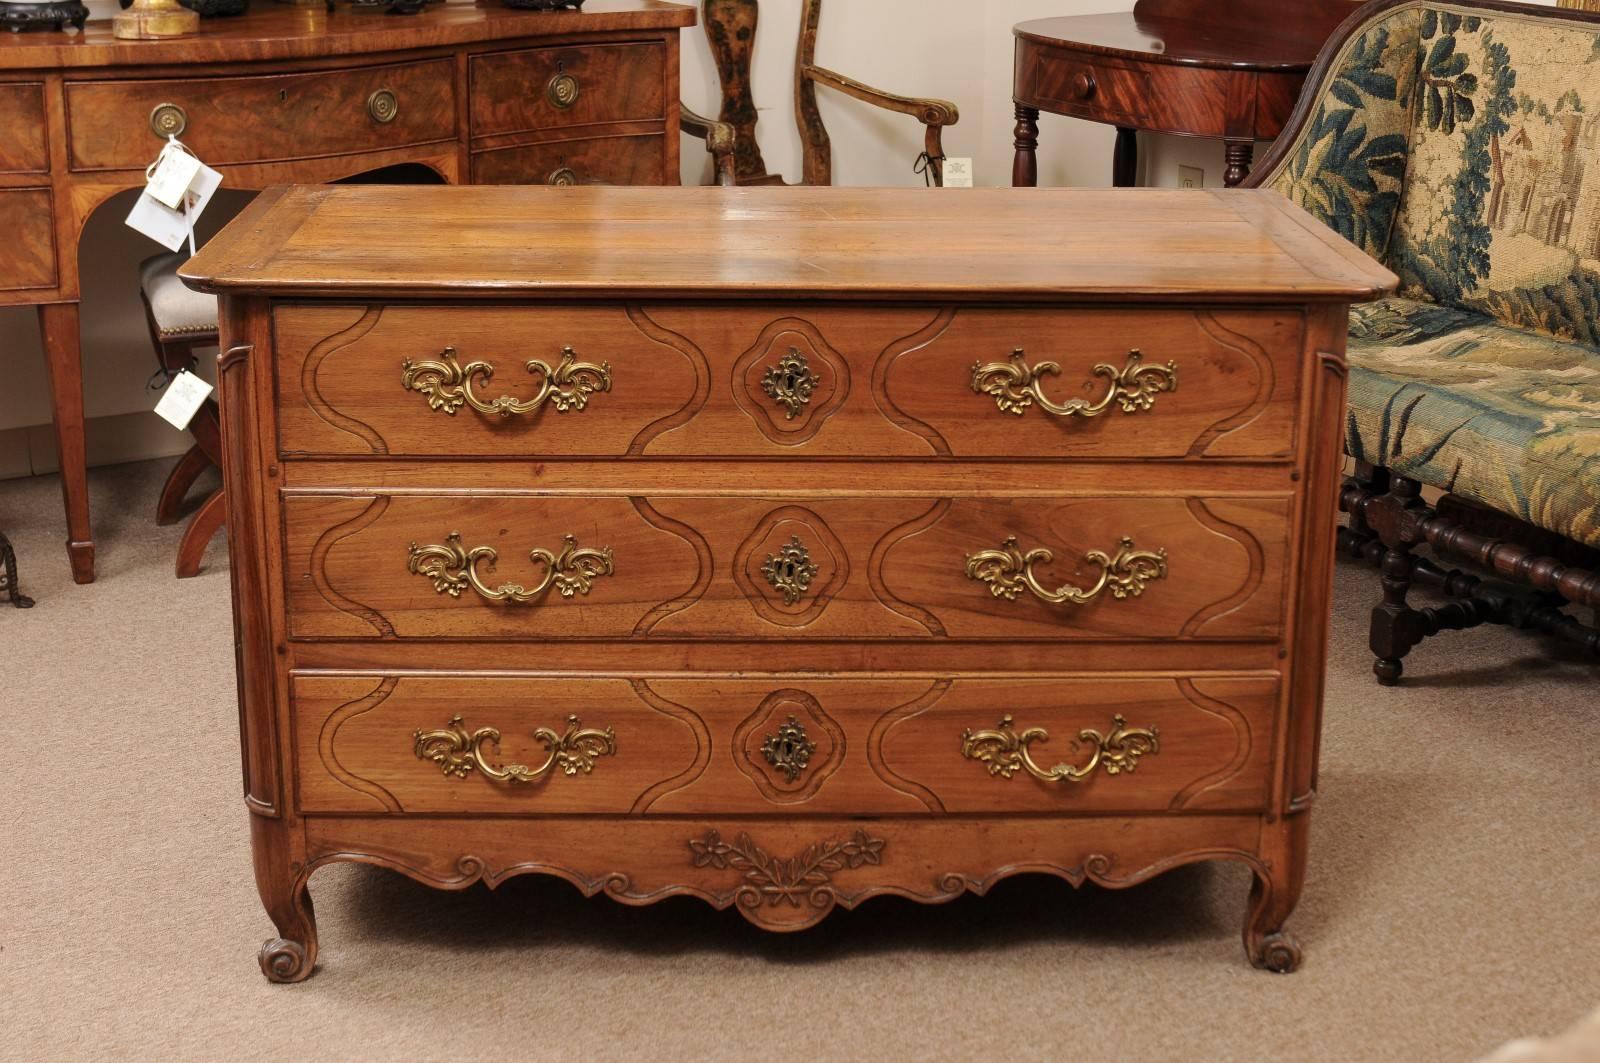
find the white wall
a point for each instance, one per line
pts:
(956, 49)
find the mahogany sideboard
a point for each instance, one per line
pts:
(1226, 69)
(725, 542)
(284, 94)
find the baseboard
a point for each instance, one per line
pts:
(115, 440)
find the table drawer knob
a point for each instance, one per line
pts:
(1004, 750)
(562, 90)
(448, 384)
(1015, 385)
(169, 120)
(454, 570)
(383, 106)
(1083, 86)
(1008, 572)
(458, 752)
(562, 177)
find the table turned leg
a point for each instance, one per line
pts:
(1125, 161)
(58, 326)
(1025, 167)
(1240, 154)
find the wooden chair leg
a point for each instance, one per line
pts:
(1396, 627)
(169, 507)
(198, 535)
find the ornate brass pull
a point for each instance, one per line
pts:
(453, 569)
(448, 384)
(790, 749)
(1016, 386)
(790, 383)
(1004, 750)
(457, 753)
(1008, 572)
(384, 106)
(790, 570)
(562, 177)
(169, 120)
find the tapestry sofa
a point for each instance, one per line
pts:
(1459, 144)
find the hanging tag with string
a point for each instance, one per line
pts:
(178, 187)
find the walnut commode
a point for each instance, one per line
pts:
(731, 543)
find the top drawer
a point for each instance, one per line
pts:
(22, 125)
(806, 381)
(553, 88)
(115, 125)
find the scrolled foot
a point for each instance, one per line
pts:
(1278, 952)
(284, 961)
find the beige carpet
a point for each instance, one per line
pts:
(1452, 902)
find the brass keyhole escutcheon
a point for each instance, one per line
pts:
(169, 120)
(789, 750)
(790, 383)
(563, 177)
(383, 106)
(563, 90)
(790, 570)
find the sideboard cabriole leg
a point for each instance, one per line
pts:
(58, 329)
(281, 881)
(1025, 166)
(1273, 895)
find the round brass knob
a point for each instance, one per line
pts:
(1083, 86)
(168, 120)
(562, 92)
(564, 176)
(383, 106)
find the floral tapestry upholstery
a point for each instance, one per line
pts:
(1462, 149)
(1495, 414)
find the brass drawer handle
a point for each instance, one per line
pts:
(1015, 385)
(169, 120)
(384, 106)
(1008, 572)
(562, 90)
(1004, 750)
(454, 569)
(457, 753)
(448, 384)
(564, 177)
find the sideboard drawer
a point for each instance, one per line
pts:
(621, 160)
(528, 566)
(803, 381)
(553, 88)
(1093, 88)
(28, 254)
(114, 124)
(459, 744)
(22, 128)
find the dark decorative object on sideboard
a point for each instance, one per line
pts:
(544, 5)
(56, 15)
(9, 585)
(207, 8)
(1225, 69)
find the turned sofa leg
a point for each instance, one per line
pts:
(1357, 540)
(1396, 627)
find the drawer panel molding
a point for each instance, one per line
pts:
(400, 566)
(665, 381)
(785, 745)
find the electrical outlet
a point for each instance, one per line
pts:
(1191, 177)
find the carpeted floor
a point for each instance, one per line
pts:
(1451, 904)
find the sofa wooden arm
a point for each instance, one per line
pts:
(719, 138)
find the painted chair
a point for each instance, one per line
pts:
(1459, 144)
(730, 26)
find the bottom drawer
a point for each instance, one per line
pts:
(866, 746)
(637, 160)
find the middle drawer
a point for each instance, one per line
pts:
(529, 566)
(814, 381)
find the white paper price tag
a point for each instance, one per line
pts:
(172, 176)
(957, 173)
(171, 228)
(182, 399)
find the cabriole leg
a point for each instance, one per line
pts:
(291, 955)
(1274, 894)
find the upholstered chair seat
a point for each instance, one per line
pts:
(178, 312)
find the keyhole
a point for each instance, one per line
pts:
(283, 95)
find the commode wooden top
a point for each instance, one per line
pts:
(982, 245)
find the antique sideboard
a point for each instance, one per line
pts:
(725, 542)
(286, 94)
